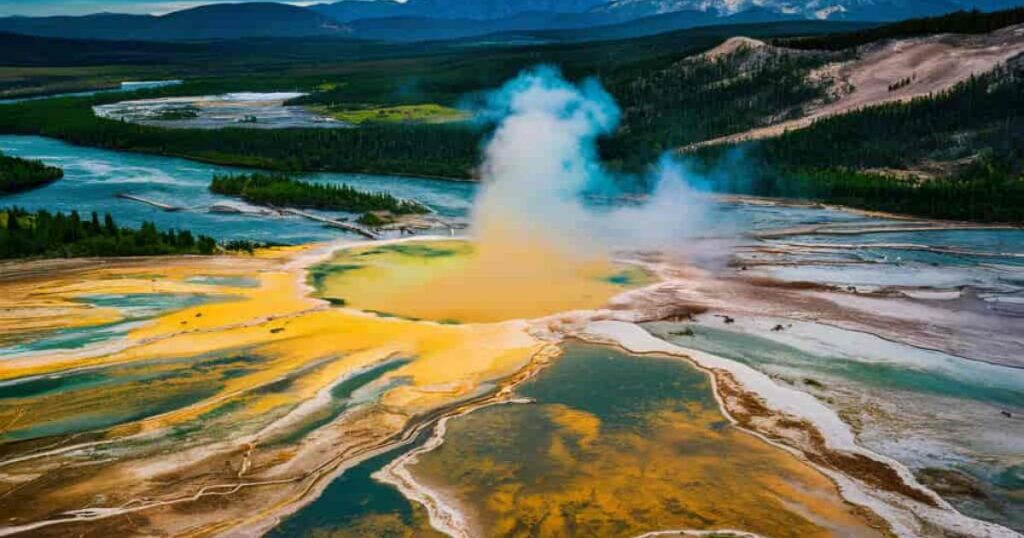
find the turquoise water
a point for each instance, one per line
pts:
(134, 307)
(616, 387)
(54, 95)
(81, 401)
(952, 408)
(994, 241)
(934, 373)
(92, 178)
(979, 247)
(351, 500)
(132, 86)
(345, 396)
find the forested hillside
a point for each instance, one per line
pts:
(984, 112)
(966, 146)
(670, 95)
(708, 96)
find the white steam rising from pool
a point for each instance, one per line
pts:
(543, 158)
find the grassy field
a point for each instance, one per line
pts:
(424, 113)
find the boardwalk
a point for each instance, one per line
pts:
(348, 226)
(147, 201)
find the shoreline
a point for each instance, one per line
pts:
(905, 514)
(444, 516)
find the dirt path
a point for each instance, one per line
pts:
(934, 63)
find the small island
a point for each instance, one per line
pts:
(280, 190)
(17, 174)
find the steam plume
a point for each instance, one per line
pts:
(541, 161)
(540, 247)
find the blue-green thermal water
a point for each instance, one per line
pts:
(354, 502)
(96, 399)
(967, 247)
(92, 178)
(930, 372)
(354, 391)
(952, 403)
(126, 87)
(612, 385)
(135, 308)
(225, 281)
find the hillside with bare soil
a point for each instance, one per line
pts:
(890, 71)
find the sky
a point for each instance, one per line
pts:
(83, 7)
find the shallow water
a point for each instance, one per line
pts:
(618, 445)
(135, 309)
(246, 110)
(356, 505)
(91, 400)
(92, 178)
(927, 409)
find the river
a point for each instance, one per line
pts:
(93, 177)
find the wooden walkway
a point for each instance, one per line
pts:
(147, 201)
(347, 226)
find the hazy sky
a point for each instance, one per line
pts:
(82, 7)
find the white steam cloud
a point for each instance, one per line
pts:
(542, 160)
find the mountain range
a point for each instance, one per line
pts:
(349, 10)
(421, 20)
(213, 21)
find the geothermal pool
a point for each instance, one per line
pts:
(213, 356)
(443, 281)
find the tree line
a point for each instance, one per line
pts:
(44, 234)
(985, 194)
(431, 150)
(284, 191)
(17, 174)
